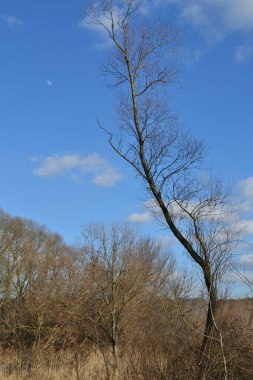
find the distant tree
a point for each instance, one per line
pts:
(38, 272)
(166, 158)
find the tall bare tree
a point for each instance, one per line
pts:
(166, 158)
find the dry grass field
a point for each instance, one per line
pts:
(54, 367)
(164, 358)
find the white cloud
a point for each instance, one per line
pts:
(56, 165)
(217, 18)
(195, 14)
(140, 217)
(247, 259)
(104, 41)
(49, 82)
(103, 174)
(108, 178)
(232, 277)
(245, 188)
(12, 21)
(244, 52)
(204, 212)
(243, 270)
(167, 240)
(247, 227)
(238, 15)
(101, 19)
(91, 163)
(86, 23)
(231, 15)
(245, 206)
(151, 205)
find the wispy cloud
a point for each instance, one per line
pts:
(140, 217)
(54, 166)
(102, 173)
(239, 278)
(86, 22)
(12, 21)
(217, 19)
(247, 260)
(102, 23)
(227, 15)
(244, 205)
(247, 227)
(245, 187)
(167, 240)
(244, 52)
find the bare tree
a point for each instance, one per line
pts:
(123, 271)
(167, 159)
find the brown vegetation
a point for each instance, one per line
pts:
(111, 309)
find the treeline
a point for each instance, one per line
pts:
(116, 301)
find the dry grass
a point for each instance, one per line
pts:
(54, 367)
(150, 357)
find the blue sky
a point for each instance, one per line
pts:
(55, 164)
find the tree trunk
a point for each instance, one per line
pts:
(210, 324)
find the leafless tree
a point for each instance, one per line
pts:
(167, 159)
(124, 270)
